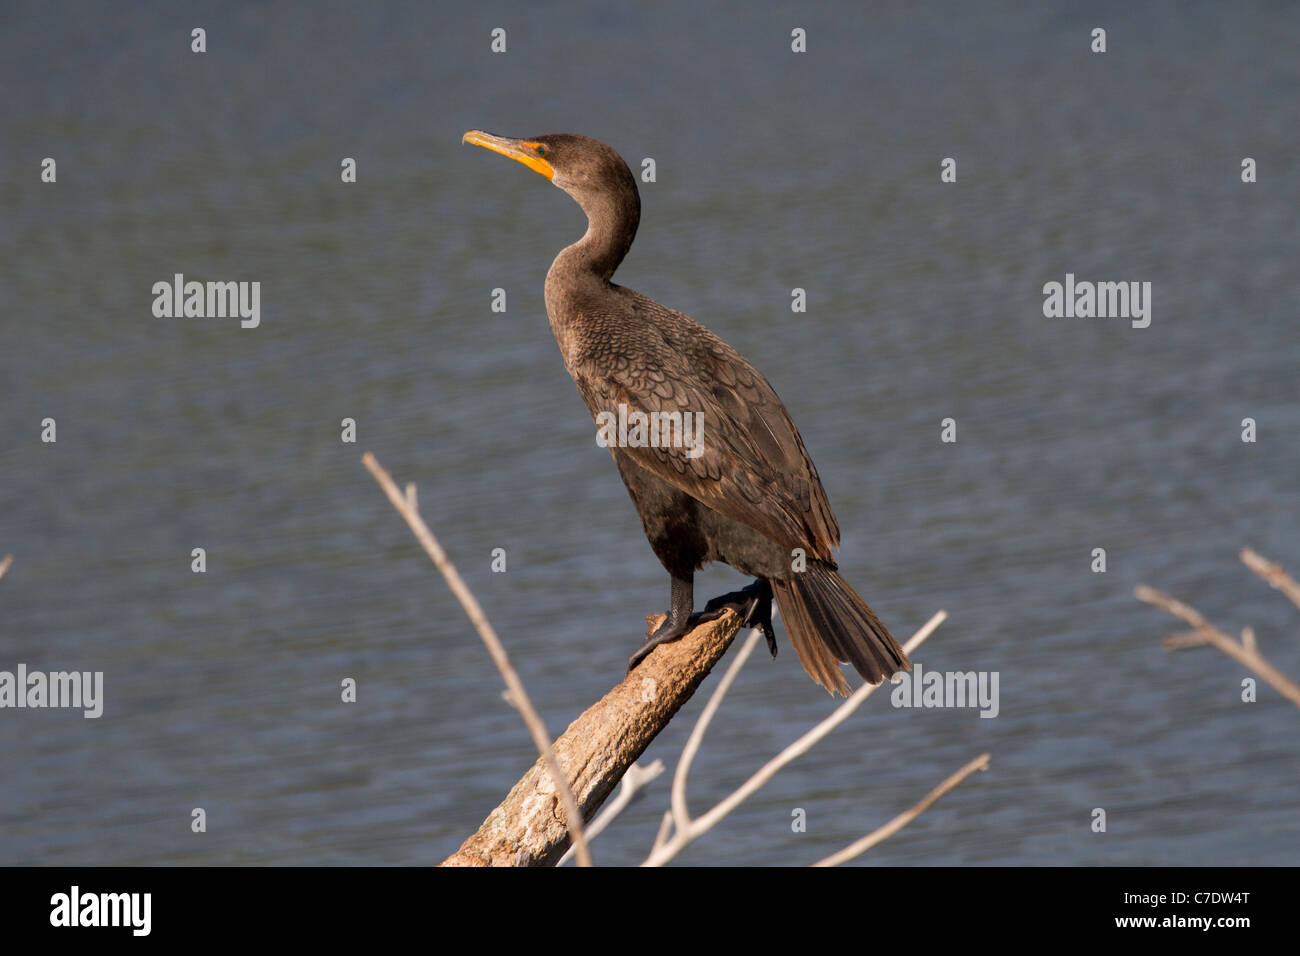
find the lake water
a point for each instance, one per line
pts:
(775, 170)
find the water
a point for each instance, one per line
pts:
(774, 171)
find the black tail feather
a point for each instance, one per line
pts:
(830, 625)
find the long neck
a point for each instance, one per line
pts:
(577, 285)
(612, 217)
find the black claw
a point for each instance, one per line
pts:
(666, 633)
(678, 621)
(754, 605)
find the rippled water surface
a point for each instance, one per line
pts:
(774, 171)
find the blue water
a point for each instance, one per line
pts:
(774, 170)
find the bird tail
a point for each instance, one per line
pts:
(829, 625)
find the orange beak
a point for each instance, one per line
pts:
(522, 150)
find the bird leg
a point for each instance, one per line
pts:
(678, 622)
(753, 604)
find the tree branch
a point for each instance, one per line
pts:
(554, 772)
(666, 847)
(858, 847)
(1273, 573)
(1203, 632)
(636, 779)
(597, 749)
(586, 763)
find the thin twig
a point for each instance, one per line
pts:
(634, 781)
(1209, 634)
(405, 505)
(1180, 640)
(861, 846)
(1273, 573)
(682, 838)
(681, 816)
(665, 831)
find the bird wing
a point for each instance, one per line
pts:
(753, 466)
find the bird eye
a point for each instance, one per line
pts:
(541, 150)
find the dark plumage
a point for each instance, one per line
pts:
(753, 496)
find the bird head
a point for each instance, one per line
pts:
(581, 166)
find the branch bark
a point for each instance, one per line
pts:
(1273, 573)
(1203, 632)
(672, 841)
(528, 829)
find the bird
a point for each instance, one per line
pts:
(747, 493)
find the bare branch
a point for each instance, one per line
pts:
(635, 780)
(858, 847)
(681, 816)
(598, 748)
(1184, 612)
(604, 742)
(1206, 633)
(665, 830)
(1273, 573)
(682, 838)
(406, 507)
(1183, 639)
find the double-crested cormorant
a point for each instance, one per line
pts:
(751, 498)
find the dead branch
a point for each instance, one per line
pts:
(672, 841)
(858, 847)
(1272, 572)
(407, 507)
(636, 779)
(597, 750)
(1203, 632)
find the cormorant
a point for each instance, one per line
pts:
(751, 498)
